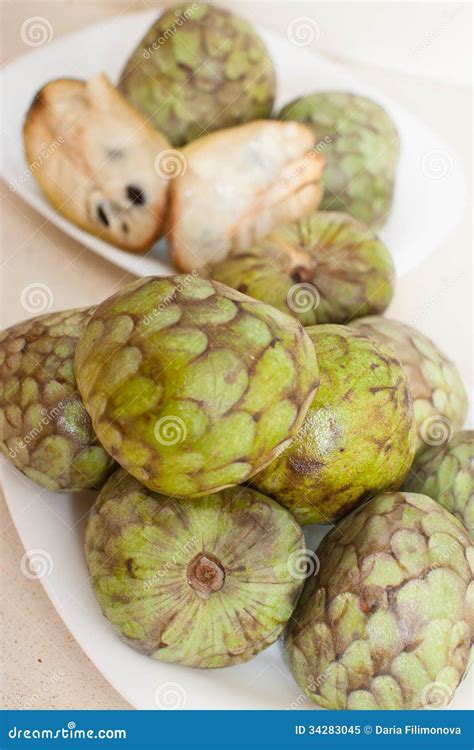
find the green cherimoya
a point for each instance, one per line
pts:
(439, 396)
(446, 473)
(44, 429)
(358, 437)
(193, 386)
(327, 268)
(387, 621)
(361, 146)
(197, 69)
(207, 582)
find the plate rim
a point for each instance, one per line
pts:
(127, 260)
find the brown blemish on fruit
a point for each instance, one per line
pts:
(303, 465)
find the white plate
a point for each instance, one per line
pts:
(51, 525)
(430, 189)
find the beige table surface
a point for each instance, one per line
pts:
(45, 668)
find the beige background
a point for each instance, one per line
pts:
(45, 668)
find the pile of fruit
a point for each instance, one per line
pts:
(220, 409)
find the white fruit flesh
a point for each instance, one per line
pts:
(238, 184)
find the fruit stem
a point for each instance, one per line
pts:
(205, 575)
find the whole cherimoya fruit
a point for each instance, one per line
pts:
(439, 396)
(326, 268)
(45, 430)
(387, 621)
(193, 386)
(206, 582)
(358, 437)
(360, 143)
(446, 473)
(197, 69)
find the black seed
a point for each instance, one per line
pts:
(115, 153)
(125, 228)
(135, 195)
(102, 216)
(242, 288)
(296, 276)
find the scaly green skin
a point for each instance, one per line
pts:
(439, 396)
(446, 473)
(204, 582)
(361, 146)
(193, 386)
(387, 621)
(199, 69)
(44, 429)
(327, 268)
(358, 437)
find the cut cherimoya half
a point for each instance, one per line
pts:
(94, 157)
(234, 186)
